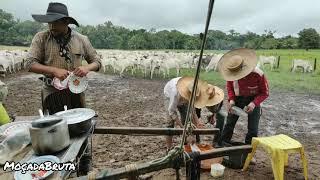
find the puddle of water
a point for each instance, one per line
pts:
(313, 123)
(315, 132)
(316, 104)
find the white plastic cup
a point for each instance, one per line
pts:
(217, 170)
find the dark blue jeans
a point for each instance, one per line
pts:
(253, 121)
(183, 109)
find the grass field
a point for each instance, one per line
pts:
(279, 79)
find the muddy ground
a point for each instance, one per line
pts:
(139, 102)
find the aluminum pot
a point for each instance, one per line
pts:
(49, 135)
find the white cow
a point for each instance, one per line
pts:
(204, 62)
(267, 60)
(126, 62)
(3, 91)
(19, 58)
(145, 63)
(6, 62)
(213, 64)
(304, 64)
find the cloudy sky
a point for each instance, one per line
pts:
(284, 16)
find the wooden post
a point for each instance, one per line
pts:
(219, 152)
(151, 131)
(315, 64)
(164, 163)
(278, 62)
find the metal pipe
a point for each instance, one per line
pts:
(151, 131)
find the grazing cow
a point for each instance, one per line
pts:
(304, 64)
(267, 60)
(205, 60)
(6, 62)
(213, 65)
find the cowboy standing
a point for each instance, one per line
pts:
(247, 88)
(177, 95)
(57, 52)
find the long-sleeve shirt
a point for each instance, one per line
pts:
(255, 84)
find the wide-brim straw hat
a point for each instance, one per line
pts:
(237, 63)
(206, 94)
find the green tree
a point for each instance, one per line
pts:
(6, 22)
(137, 42)
(308, 39)
(288, 42)
(22, 32)
(192, 43)
(269, 43)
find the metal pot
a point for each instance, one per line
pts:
(79, 128)
(78, 120)
(49, 135)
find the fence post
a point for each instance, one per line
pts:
(278, 62)
(315, 64)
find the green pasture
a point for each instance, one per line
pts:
(280, 79)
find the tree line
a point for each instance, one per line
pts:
(110, 36)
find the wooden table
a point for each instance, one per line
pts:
(70, 154)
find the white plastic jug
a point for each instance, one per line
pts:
(217, 170)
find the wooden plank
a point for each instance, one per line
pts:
(148, 167)
(151, 131)
(219, 152)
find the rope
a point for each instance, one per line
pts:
(131, 169)
(195, 83)
(92, 175)
(193, 167)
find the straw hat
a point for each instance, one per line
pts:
(237, 64)
(206, 94)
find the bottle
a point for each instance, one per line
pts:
(238, 111)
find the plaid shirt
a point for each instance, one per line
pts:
(45, 50)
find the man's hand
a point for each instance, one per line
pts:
(229, 105)
(200, 124)
(81, 71)
(212, 119)
(179, 123)
(250, 107)
(60, 73)
(190, 140)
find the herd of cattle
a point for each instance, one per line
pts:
(12, 61)
(149, 62)
(160, 62)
